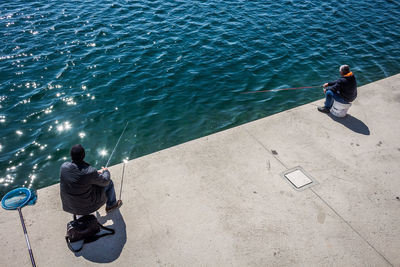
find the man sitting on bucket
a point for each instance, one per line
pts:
(83, 189)
(343, 90)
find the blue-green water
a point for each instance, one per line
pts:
(76, 71)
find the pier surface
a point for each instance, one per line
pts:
(221, 200)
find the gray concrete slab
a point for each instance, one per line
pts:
(355, 159)
(221, 201)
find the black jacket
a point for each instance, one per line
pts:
(82, 188)
(346, 87)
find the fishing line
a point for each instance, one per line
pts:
(126, 125)
(283, 89)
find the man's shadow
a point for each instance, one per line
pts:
(108, 248)
(352, 123)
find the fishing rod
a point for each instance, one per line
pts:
(283, 89)
(126, 125)
(122, 180)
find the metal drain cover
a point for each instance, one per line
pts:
(298, 178)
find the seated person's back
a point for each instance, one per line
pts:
(83, 189)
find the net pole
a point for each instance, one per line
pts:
(26, 237)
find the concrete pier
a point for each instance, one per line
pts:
(221, 200)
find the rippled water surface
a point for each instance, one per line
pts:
(77, 71)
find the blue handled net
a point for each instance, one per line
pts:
(18, 198)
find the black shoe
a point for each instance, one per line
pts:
(323, 109)
(116, 206)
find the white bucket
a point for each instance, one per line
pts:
(339, 109)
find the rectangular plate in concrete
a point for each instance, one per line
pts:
(298, 178)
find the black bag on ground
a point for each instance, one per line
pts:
(85, 228)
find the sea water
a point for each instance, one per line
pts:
(76, 71)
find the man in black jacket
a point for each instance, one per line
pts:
(83, 189)
(343, 90)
